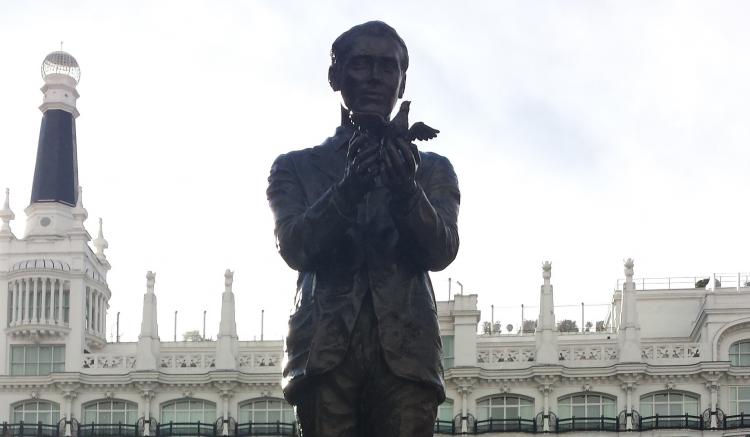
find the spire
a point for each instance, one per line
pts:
(147, 352)
(6, 215)
(227, 341)
(54, 192)
(546, 337)
(629, 335)
(100, 243)
(79, 212)
(56, 172)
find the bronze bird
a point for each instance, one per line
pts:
(375, 124)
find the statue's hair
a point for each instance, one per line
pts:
(343, 44)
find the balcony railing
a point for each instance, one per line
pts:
(685, 421)
(275, 429)
(29, 430)
(107, 430)
(504, 425)
(192, 429)
(588, 424)
(445, 427)
(737, 421)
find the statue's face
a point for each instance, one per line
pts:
(372, 79)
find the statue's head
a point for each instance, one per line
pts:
(368, 67)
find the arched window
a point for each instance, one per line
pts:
(445, 411)
(110, 412)
(266, 410)
(586, 405)
(188, 410)
(739, 353)
(37, 411)
(669, 404)
(505, 407)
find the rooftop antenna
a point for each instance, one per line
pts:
(61, 46)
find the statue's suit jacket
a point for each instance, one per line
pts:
(385, 245)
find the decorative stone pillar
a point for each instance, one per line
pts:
(628, 386)
(44, 301)
(69, 393)
(147, 394)
(712, 385)
(226, 392)
(545, 387)
(27, 311)
(464, 388)
(629, 335)
(545, 334)
(61, 297)
(16, 303)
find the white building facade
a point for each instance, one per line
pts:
(672, 358)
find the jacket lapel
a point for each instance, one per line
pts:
(329, 158)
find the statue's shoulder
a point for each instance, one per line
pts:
(432, 161)
(296, 157)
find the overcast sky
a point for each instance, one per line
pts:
(582, 133)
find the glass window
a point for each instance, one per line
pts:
(447, 358)
(505, 407)
(37, 411)
(266, 410)
(188, 410)
(34, 360)
(445, 411)
(110, 412)
(739, 353)
(739, 400)
(586, 405)
(669, 404)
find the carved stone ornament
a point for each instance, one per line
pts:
(547, 270)
(34, 395)
(629, 269)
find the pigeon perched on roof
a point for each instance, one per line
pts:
(375, 124)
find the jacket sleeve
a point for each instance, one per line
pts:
(428, 218)
(304, 232)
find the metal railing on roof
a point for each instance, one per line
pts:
(736, 281)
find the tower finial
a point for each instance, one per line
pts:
(629, 269)
(150, 280)
(100, 243)
(228, 280)
(6, 215)
(546, 272)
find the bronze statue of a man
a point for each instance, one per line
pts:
(363, 217)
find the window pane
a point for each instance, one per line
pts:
(647, 409)
(511, 412)
(45, 354)
(17, 369)
(32, 354)
(16, 354)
